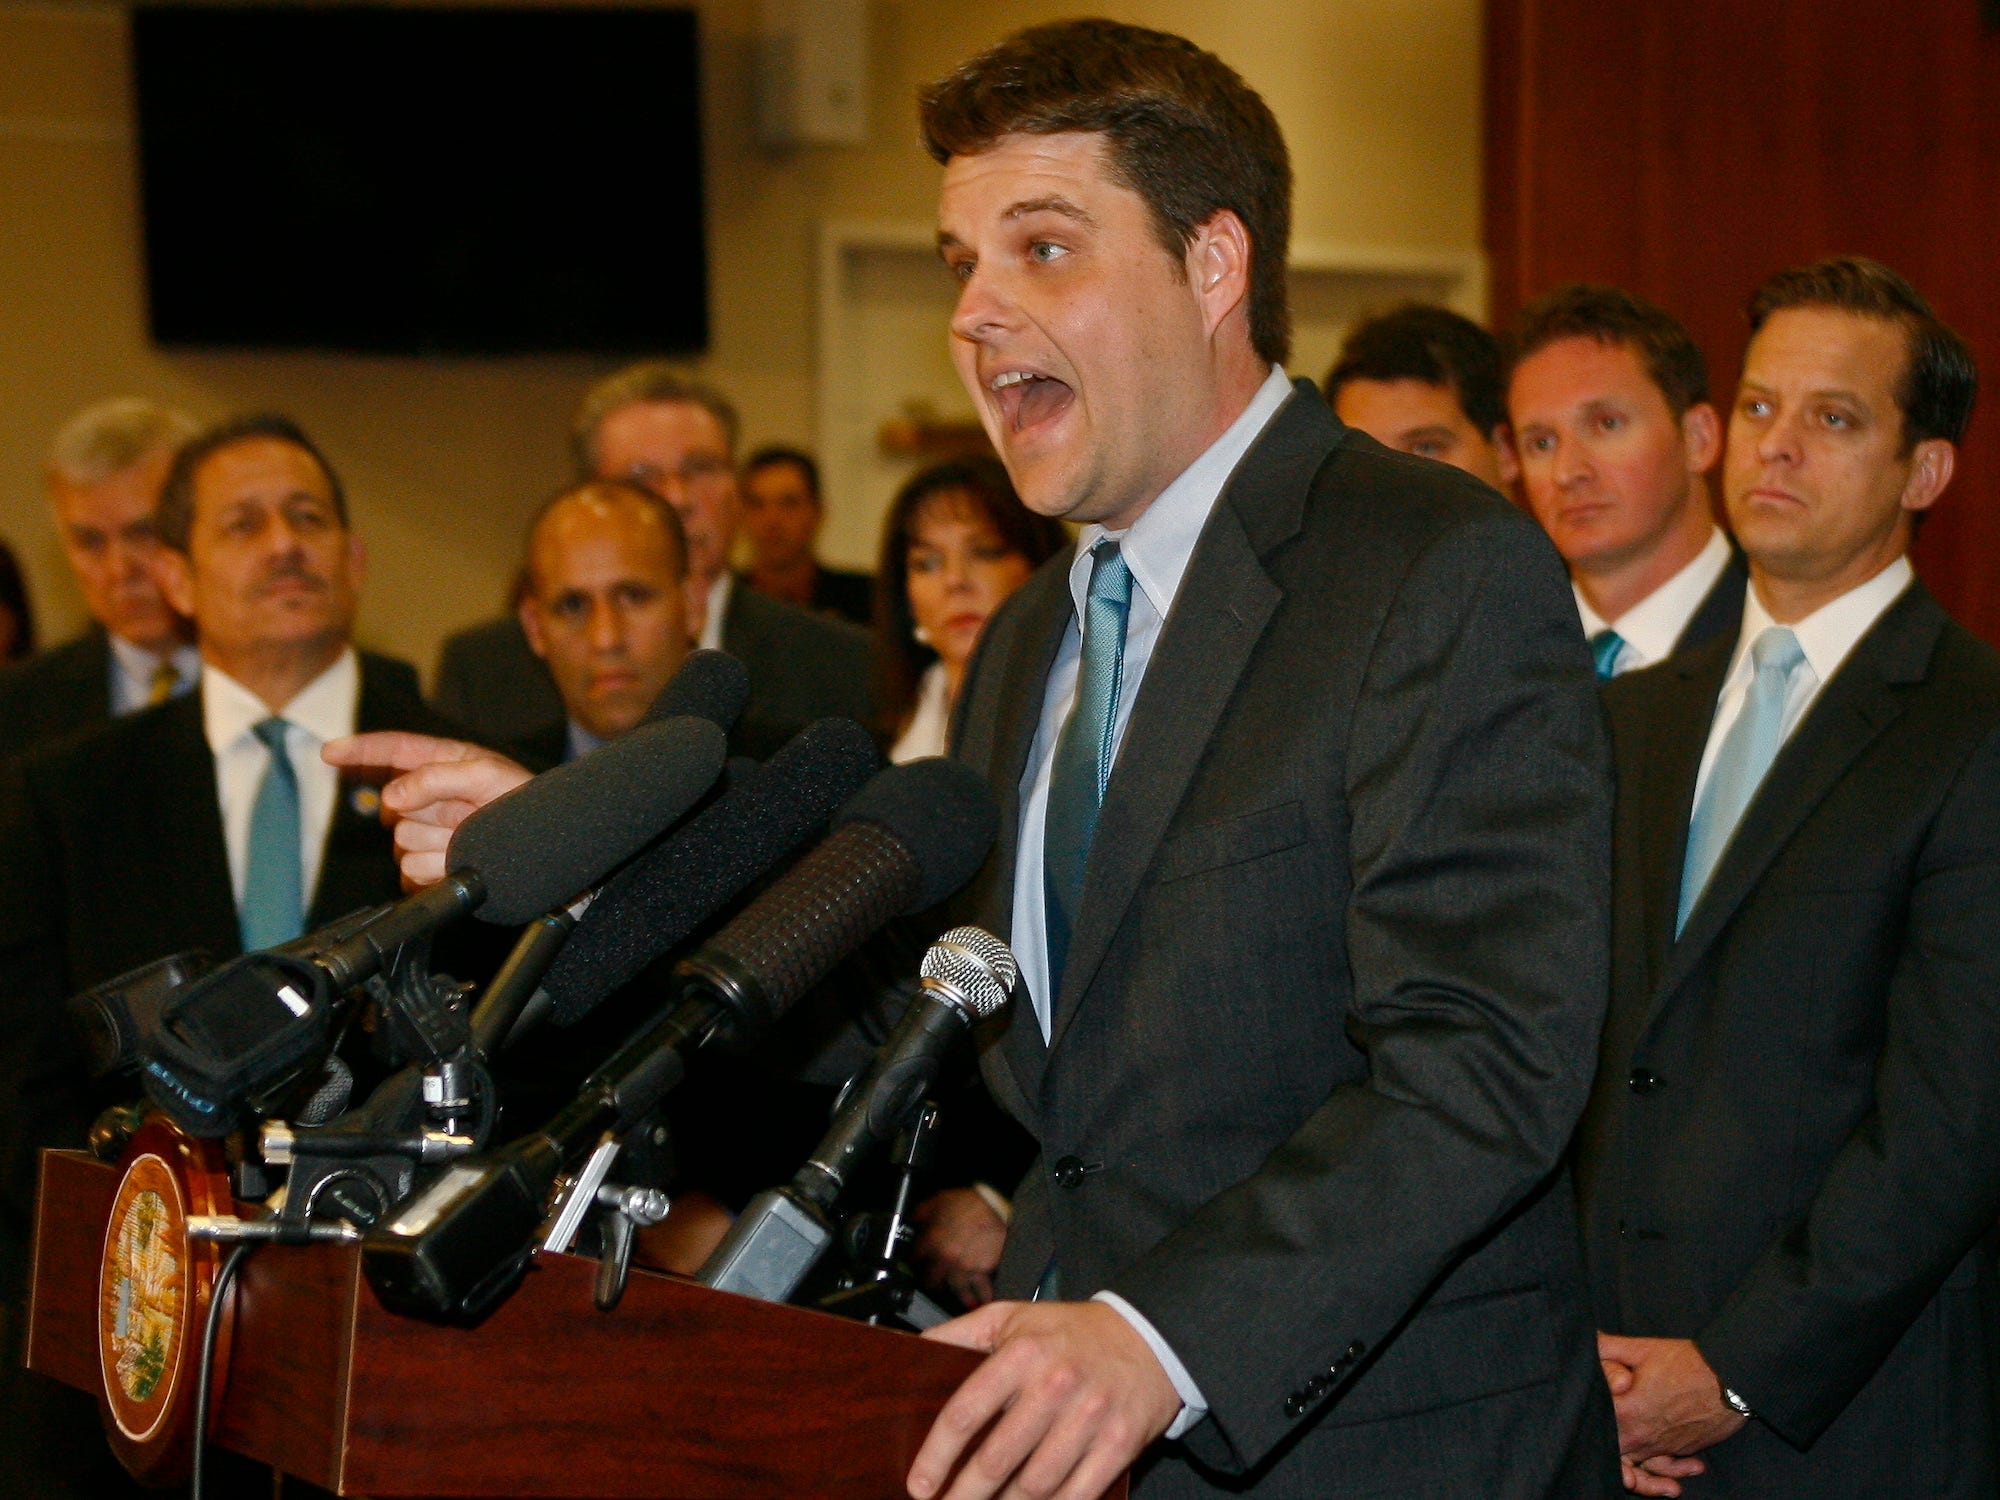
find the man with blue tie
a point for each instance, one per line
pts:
(1608, 395)
(207, 822)
(1790, 1167)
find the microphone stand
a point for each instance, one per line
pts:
(879, 1288)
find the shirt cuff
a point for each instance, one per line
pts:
(1194, 1406)
(994, 1199)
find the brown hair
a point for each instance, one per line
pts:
(651, 381)
(900, 661)
(1181, 129)
(1940, 379)
(174, 522)
(1616, 318)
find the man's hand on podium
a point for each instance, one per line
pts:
(443, 782)
(1077, 1393)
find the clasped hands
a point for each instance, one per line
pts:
(1670, 1407)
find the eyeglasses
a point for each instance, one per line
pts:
(701, 471)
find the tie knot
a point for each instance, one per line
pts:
(1776, 650)
(1604, 649)
(272, 732)
(1110, 579)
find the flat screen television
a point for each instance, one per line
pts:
(406, 180)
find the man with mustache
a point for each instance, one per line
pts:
(207, 822)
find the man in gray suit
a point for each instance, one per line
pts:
(1305, 813)
(649, 424)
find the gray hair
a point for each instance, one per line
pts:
(652, 381)
(115, 435)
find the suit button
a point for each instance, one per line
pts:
(1069, 1172)
(1355, 1350)
(1643, 1080)
(1293, 1405)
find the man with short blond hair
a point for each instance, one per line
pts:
(104, 473)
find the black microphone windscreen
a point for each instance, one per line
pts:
(711, 685)
(551, 838)
(907, 840)
(652, 907)
(942, 810)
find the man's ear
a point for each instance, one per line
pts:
(173, 574)
(531, 627)
(1509, 460)
(1218, 266)
(1932, 463)
(1701, 434)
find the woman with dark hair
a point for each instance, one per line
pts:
(17, 620)
(956, 543)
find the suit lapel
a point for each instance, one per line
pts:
(1851, 711)
(1669, 745)
(1225, 600)
(190, 829)
(1045, 611)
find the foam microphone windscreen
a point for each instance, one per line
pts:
(555, 836)
(711, 685)
(907, 840)
(650, 908)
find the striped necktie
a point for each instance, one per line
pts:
(274, 907)
(1082, 766)
(1741, 762)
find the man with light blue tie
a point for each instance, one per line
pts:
(1790, 1167)
(207, 822)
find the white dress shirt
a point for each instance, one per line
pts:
(132, 669)
(718, 606)
(1156, 548)
(323, 710)
(1651, 627)
(930, 725)
(1827, 636)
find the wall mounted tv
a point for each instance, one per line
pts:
(408, 180)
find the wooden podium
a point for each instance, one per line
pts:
(681, 1391)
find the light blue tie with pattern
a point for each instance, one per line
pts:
(1083, 750)
(1741, 762)
(1604, 649)
(274, 905)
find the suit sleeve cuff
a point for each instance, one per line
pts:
(1194, 1406)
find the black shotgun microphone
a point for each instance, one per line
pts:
(711, 685)
(781, 1234)
(653, 906)
(245, 1029)
(912, 837)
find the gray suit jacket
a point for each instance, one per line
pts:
(1334, 990)
(1790, 1153)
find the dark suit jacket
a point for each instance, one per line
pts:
(1334, 990)
(1790, 1152)
(490, 680)
(803, 666)
(1720, 612)
(55, 693)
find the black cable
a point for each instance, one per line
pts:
(210, 1328)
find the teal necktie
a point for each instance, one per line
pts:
(1740, 764)
(1083, 750)
(1604, 649)
(274, 905)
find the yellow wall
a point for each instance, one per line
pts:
(444, 458)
